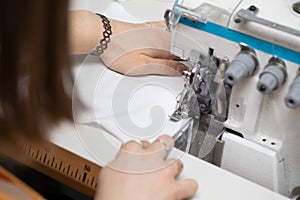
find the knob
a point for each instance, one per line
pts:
(273, 76)
(292, 99)
(243, 65)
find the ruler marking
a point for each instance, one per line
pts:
(64, 164)
(37, 154)
(68, 170)
(76, 173)
(92, 181)
(52, 162)
(29, 150)
(60, 164)
(84, 177)
(45, 157)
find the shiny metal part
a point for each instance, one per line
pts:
(203, 100)
(172, 17)
(184, 128)
(167, 19)
(250, 16)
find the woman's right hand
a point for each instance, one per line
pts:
(133, 50)
(141, 172)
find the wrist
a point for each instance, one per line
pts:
(106, 34)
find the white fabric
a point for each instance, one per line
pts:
(130, 108)
(115, 101)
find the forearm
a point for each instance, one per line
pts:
(141, 52)
(86, 28)
(84, 31)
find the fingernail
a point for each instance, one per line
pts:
(177, 58)
(181, 67)
(180, 166)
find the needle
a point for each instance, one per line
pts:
(183, 128)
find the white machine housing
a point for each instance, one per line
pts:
(261, 134)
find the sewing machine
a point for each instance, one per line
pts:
(242, 89)
(232, 123)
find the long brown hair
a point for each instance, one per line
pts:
(35, 78)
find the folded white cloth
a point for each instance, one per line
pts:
(131, 108)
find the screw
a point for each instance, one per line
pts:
(252, 8)
(237, 20)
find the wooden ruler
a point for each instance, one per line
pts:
(63, 166)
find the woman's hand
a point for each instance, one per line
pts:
(145, 62)
(134, 49)
(141, 172)
(142, 49)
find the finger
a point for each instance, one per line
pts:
(162, 146)
(145, 144)
(158, 53)
(185, 189)
(132, 146)
(175, 167)
(166, 67)
(147, 65)
(174, 65)
(161, 142)
(149, 69)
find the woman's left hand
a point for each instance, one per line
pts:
(141, 171)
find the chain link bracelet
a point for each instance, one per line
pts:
(106, 36)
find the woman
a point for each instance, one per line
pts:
(36, 83)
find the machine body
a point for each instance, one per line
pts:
(242, 89)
